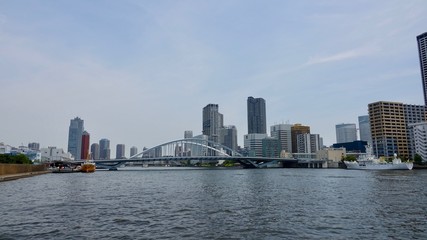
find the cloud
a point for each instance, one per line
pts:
(342, 56)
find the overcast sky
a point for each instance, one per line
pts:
(140, 72)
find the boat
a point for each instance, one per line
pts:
(88, 166)
(369, 162)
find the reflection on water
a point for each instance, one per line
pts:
(140, 203)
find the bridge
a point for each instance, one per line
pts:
(196, 149)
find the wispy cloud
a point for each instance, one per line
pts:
(342, 56)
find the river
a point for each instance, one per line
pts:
(178, 203)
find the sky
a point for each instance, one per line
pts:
(139, 72)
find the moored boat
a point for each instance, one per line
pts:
(372, 163)
(88, 166)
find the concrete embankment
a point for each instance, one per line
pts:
(15, 171)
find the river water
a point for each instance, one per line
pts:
(177, 203)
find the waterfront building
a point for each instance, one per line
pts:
(228, 137)
(104, 149)
(422, 51)
(308, 143)
(85, 145)
(75, 133)
(352, 147)
(257, 117)
(253, 144)
(55, 154)
(283, 133)
(34, 146)
(365, 129)
(390, 127)
(120, 151)
(271, 147)
(297, 129)
(94, 151)
(212, 122)
(133, 151)
(332, 155)
(346, 132)
(420, 139)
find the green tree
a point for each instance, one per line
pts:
(418, 159)
(350, 158)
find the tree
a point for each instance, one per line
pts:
(350, 158)
(418, 159)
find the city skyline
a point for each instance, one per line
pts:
(138, 64)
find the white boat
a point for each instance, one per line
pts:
(369, 162)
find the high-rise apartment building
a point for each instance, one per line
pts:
(120, 151)
(390, 127)
(308, 143)
(94, 151)
(228, 137)
(422, 51)
(257, 118)
(420, 139)
(365, 129)
(212, 122)
(85, 145)
(346, 132)
(283, 133)
(75, 133)
(271, 147)
(296, 130)
(104, 149)
(133, 151)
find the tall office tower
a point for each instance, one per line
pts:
(188, 134)
(308, 143)
(365, 129)
(85, 145)
(120, 151)
(212, 122)
(34, 146)
(257, 118)
(413, 114)
(228, 137)
(104, 149)
(133, 151)
(75, 137)
(346, 132)
(422, 51)
(420, 139)
(296, 130)
(253, 143)
(94, 151)
(283, 133)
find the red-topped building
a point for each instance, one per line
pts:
(85, 145)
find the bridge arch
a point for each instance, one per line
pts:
(187, 147)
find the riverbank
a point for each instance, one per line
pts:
(16, 171)
(10, 177)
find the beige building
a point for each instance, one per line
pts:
(333, 156)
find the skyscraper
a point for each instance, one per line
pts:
(283, 133)
(296, 130)
(75, 137)
(188, 134)
(34, 146)
(365, 129)
(212, 122)
(422, 51)
(85, 145)
(104, 149)
(346, 132)
(94, 151)
(133, 151)
(228, 137)
(257, 120)
(120, 151)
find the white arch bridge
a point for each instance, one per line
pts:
(195, 149)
